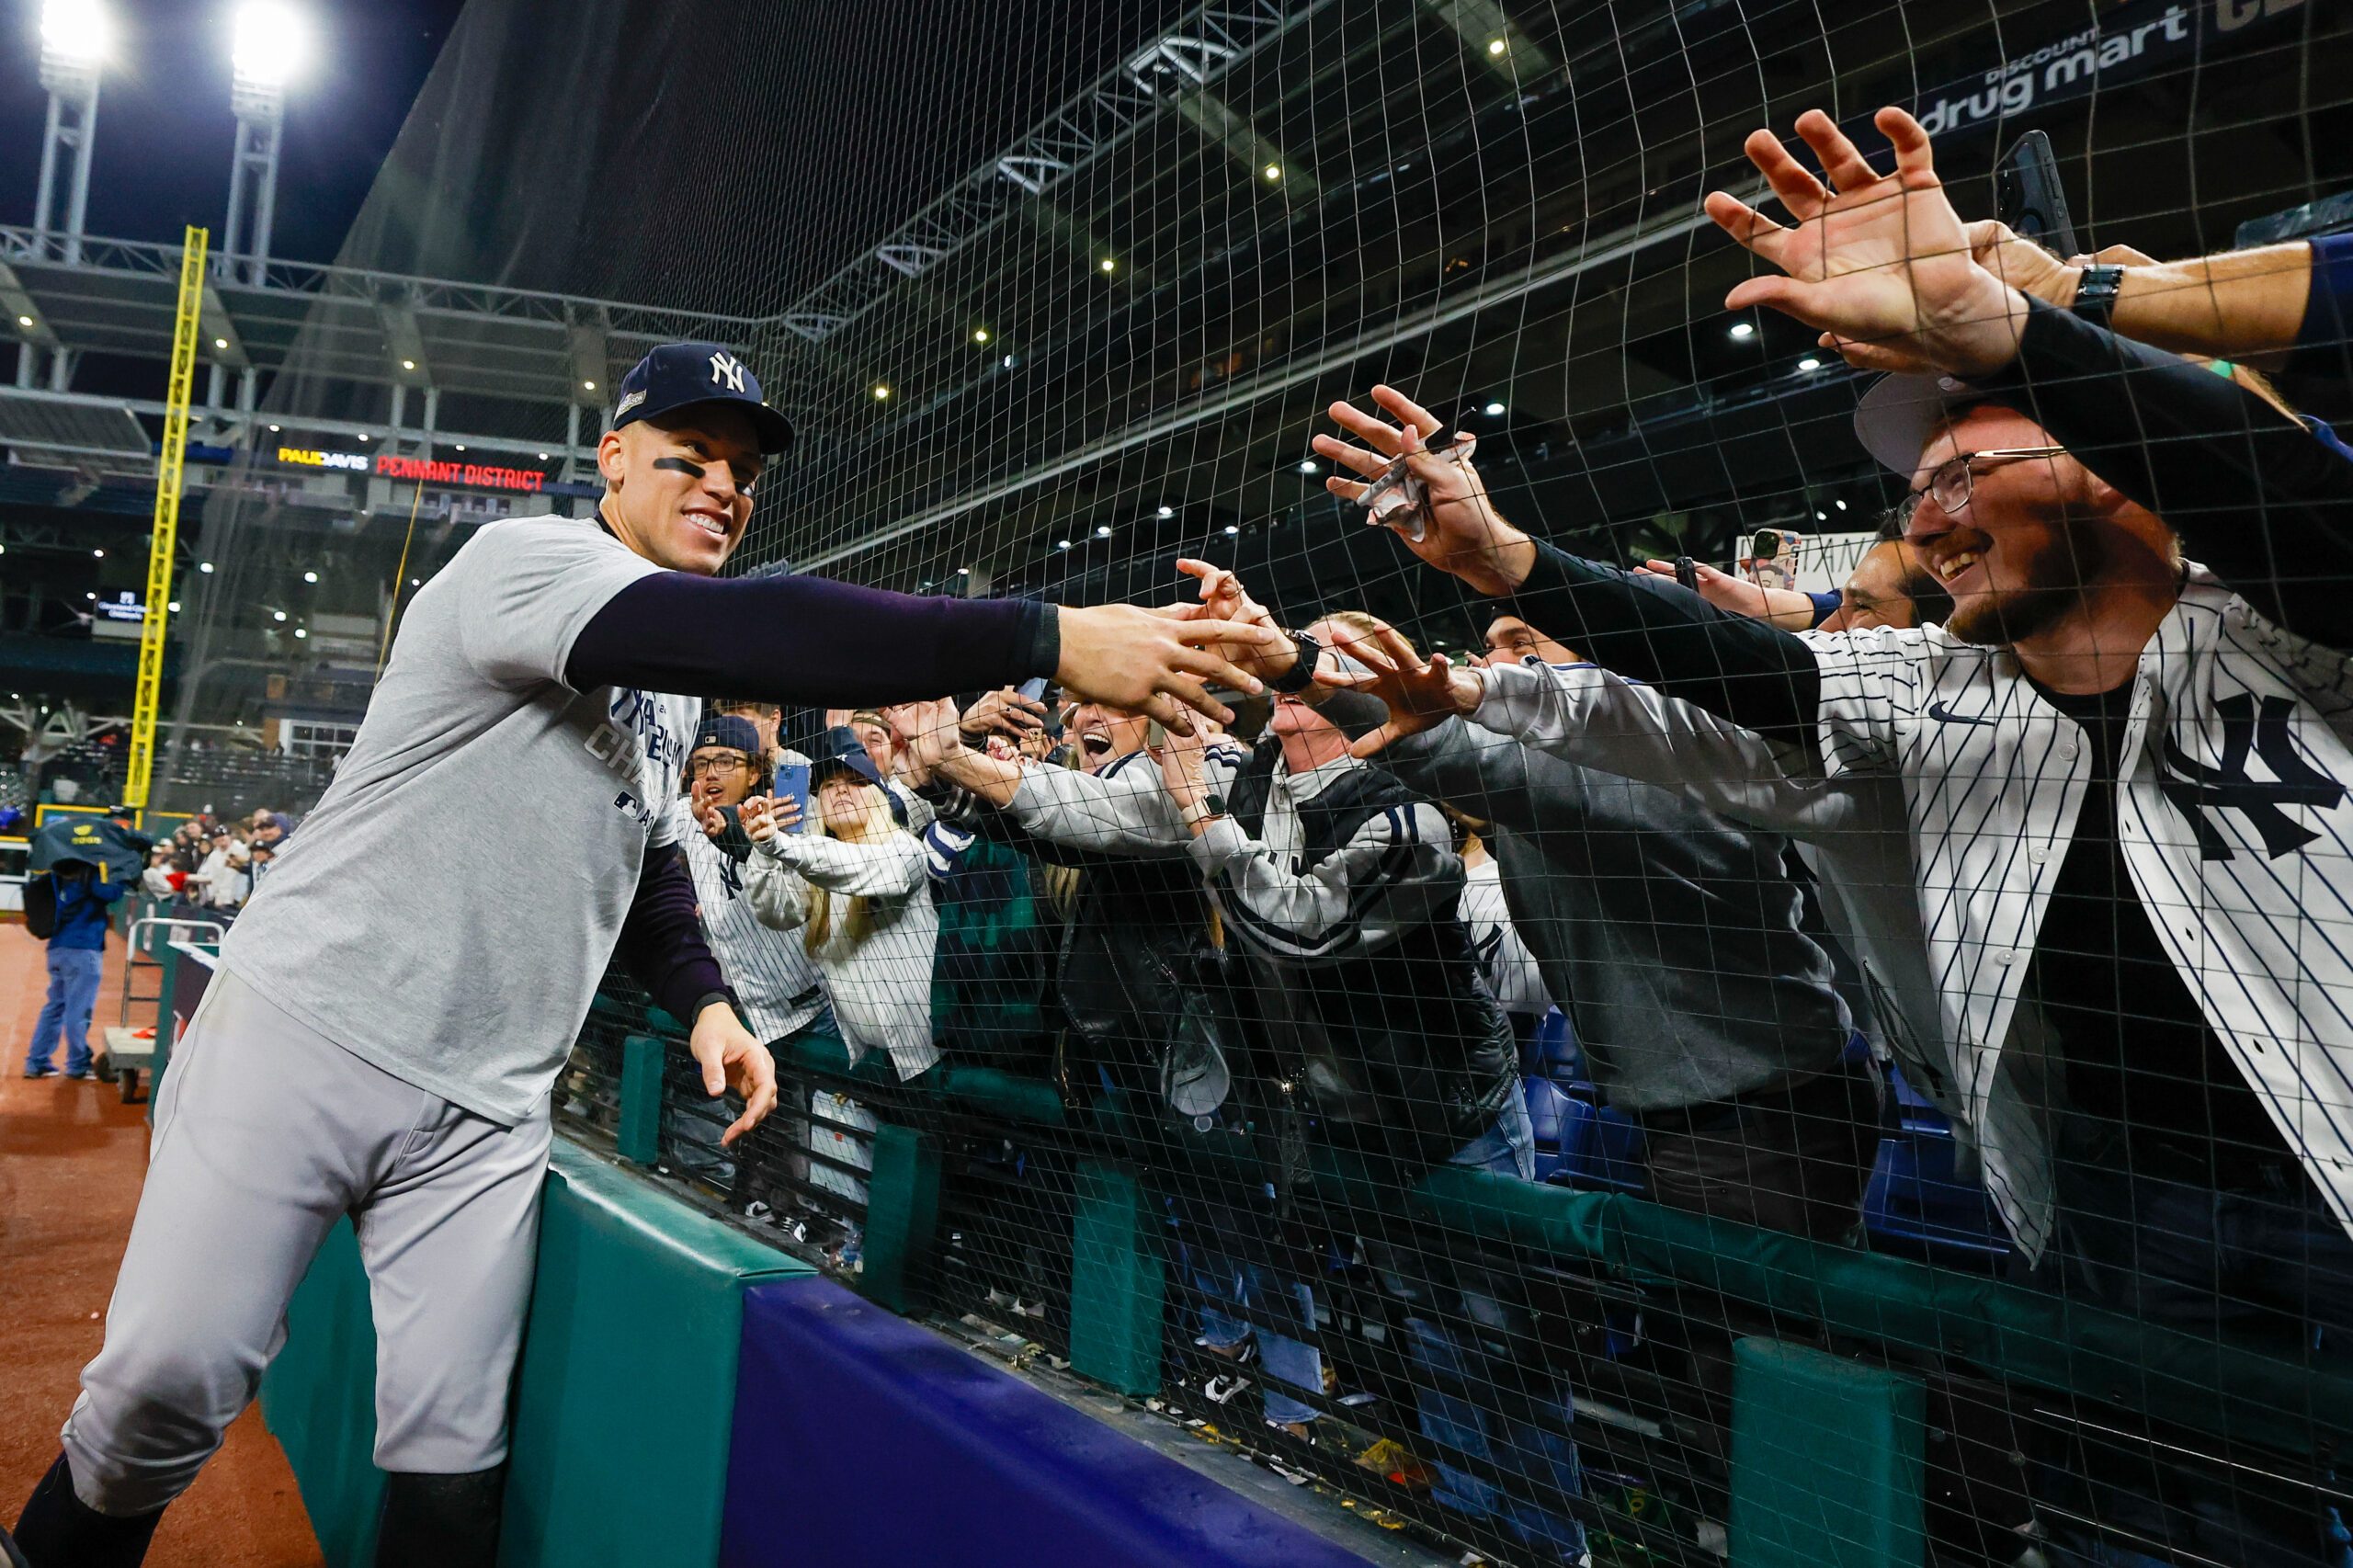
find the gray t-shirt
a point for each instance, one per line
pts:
(448, 910)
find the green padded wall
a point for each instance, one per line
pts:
(1826, 1460)
(1115, 1281)
(626, 1397)
(902, 1219)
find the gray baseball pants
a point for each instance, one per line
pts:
(266, 1133)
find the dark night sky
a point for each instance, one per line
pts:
(165, 130)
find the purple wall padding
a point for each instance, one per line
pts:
(861, 1438)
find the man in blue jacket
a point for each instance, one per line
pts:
(86, 895)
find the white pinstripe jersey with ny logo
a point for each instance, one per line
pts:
(2233, 812)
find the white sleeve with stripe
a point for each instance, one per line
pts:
(1398, 870)
(1123, 809)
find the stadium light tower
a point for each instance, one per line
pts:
(270, 45)
(74, 39)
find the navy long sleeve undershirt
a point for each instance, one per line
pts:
(661, 941)
(2321, 340)
(807, 640)
(2252, 493)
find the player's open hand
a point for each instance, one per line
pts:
(1465, 535)
(730, 1057)
(1159, 661)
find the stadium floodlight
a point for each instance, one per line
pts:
(1497, 46)
(980, 335)
(1166, 512)
(1233, 528)
(74, 33)
(881, 392)
(1307, 465)
(271, 43)
(1743, 331)
(1809, 363)
(1495, 408)
(1110, 264)
(1840, 505)
(24, 321)
(1273, 172)
(1103, 530)
(75, 40)
(1063, 544)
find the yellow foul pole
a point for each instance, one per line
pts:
(169, 464)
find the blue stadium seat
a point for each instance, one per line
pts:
(1611, 1159)
(1579, 1143)
(1916, 1202)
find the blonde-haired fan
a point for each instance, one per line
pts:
(854, 883)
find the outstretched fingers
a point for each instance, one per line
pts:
(1408, 413)
(1392, 643)
(1913, 156)
(1791, 181)
(1751, 228)
(1372, 430)
(1843, 164)
(1348, 455)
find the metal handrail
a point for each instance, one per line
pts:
(130, 935)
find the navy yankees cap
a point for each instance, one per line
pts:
(727, 730)
(680, 375)
(842, 748)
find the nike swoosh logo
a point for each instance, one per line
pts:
(1943, 715)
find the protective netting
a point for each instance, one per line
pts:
(1849, 1094)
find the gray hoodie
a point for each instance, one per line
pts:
(1670, 936)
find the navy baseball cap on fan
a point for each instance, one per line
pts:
(1897, 413)
(842, 748)
(682, 375)
(726, 730)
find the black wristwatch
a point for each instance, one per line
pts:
(1301, 675)
(2096, 293)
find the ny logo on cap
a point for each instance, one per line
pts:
(727, 368)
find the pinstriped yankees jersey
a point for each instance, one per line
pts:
(1855, 833)
(2233, 815)
(773, 977)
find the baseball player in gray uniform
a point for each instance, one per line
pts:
(394, 1006)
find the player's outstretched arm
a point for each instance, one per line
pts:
(810, 640)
